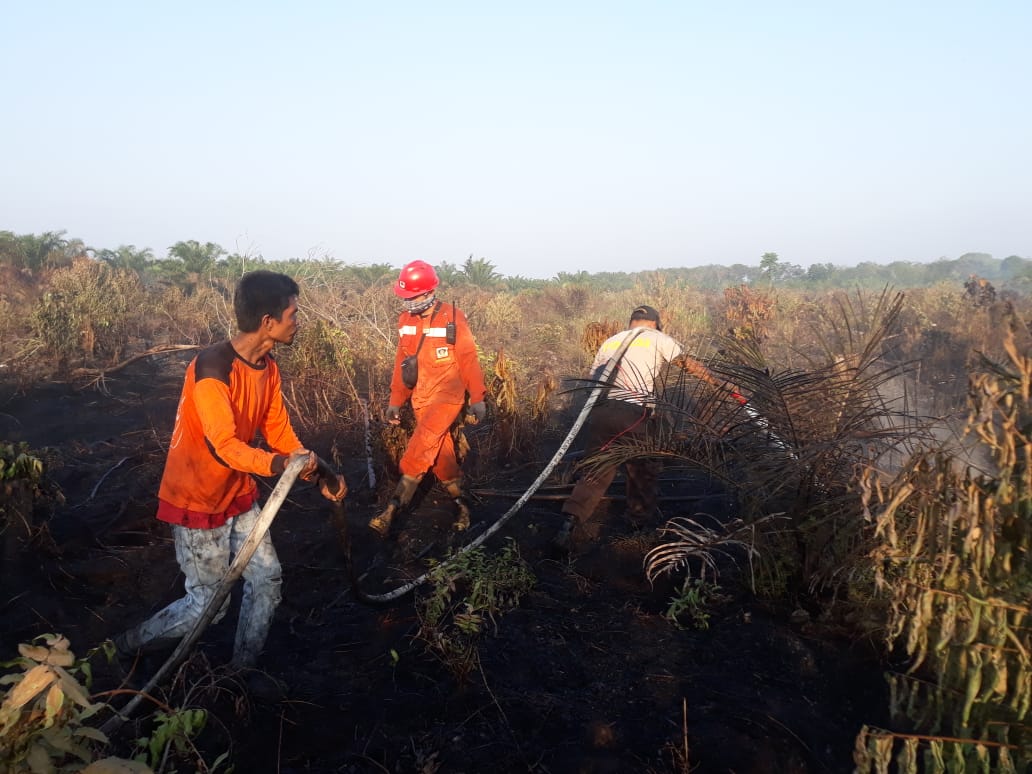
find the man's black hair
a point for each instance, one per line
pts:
(260, 293)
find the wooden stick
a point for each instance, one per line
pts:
(110, 470)
(159, 350)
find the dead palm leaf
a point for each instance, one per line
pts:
(692, 540)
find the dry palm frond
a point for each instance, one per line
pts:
(503, 386)
(546, 387)
(394, 440)
(953, 558)
(510, 433)
(461, 442)
(876, 750)
(687, 429)
(694, 541)
(844, 413)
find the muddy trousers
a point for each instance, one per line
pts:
(204, 555)
(431, 447)
(614, 422)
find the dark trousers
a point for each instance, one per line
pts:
(613, 422)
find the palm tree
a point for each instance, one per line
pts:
(565, 278)
(370, 276)
(196, 258)
(44, 251)
(518, 282)
(449, 274)
(480, 272)
(11, 252)
(128, 257)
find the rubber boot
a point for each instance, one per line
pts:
(576, 534)
(381, 523)
(563, 538)
(454, 490)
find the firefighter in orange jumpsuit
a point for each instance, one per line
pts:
(436, 338)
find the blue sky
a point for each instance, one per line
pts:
(544, 137)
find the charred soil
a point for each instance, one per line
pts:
(588, 674)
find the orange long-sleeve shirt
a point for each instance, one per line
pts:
(225, 402)
(446, 371)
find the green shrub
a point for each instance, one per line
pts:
(468, 592)
(90, 311)
(16, 462)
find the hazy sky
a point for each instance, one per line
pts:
(542, 136)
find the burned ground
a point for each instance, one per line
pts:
(586, 675)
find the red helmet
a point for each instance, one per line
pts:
(416, 278)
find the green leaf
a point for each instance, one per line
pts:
(55, 701)
(91, 733)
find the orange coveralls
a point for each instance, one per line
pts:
(447, 372)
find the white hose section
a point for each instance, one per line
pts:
(368, 446)
(760, 420)
(236, 569)
(592, 398)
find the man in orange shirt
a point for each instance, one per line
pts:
(436, 338)
(208, 494)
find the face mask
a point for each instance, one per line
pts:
(418, 305)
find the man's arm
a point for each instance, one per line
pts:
(698, 370)
(275, 425)
(692, 366)
(218, 423)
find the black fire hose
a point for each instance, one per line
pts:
(339, 518)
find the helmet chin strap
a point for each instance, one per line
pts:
(418, 305)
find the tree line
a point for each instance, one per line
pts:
(188, 262)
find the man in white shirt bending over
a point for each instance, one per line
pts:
(623, 415)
